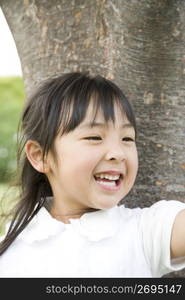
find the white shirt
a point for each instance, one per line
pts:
(118, 242)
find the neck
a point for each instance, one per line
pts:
(70, 215)
(63, 212)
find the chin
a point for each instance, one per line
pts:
(106, 204)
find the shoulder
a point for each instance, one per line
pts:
(165, 210)
(155, 220)
(42, 226)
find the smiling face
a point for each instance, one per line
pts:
(96, 164)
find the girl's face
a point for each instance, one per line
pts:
(96, 166)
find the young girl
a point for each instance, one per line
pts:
(80, 160)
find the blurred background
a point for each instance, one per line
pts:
(11, 102)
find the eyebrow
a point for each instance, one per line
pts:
(99, 124)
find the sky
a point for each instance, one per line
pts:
(9, 59)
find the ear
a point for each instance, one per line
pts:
(34, 154)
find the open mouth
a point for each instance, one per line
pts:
(109, 181)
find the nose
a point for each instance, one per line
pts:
(115, 153)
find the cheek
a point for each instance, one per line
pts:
(133, 162)
(79, 163)
(87, 164)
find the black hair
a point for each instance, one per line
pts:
(57, 106)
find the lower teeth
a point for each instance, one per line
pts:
(111, 183)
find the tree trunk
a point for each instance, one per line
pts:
(140, 44)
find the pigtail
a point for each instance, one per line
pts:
(35, 189)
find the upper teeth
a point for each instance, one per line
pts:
(110, 177)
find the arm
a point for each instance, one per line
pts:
(178, 236)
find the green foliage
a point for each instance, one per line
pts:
(12, 96)
(8, 198)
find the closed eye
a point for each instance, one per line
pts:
(94, 138)
(128, 139)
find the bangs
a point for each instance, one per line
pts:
(102, 93)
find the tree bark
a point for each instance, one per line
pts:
(140, 44)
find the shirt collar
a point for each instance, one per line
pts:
(93, 226)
